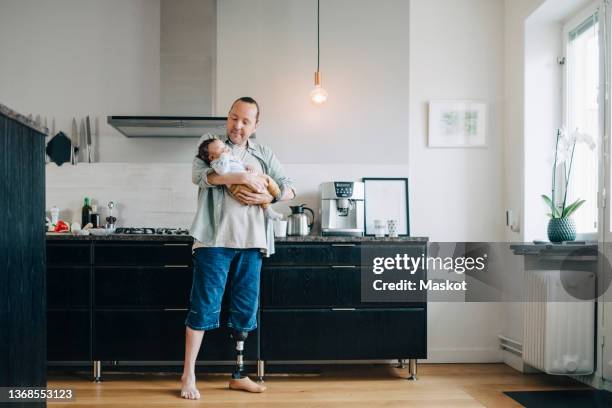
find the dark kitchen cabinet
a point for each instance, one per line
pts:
(136, 253)
(157, 335)
(69, 287)
(22, 254)
(141, 297)
(127, 301)
(142, 287)
(69, 335)
(311, 306)
(343, 334)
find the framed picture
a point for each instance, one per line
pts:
(457, 124)
(386, 199)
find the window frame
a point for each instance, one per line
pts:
(570, 25)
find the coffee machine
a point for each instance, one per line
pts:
(342, 208)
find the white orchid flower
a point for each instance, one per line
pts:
(585, 138)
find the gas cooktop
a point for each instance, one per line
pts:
(151, 231)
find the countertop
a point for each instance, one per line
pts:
(8, 112)
(186, 238)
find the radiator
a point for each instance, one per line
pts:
(559, 330)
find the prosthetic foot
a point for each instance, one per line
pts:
(239, 380)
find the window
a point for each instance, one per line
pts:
(582, 113)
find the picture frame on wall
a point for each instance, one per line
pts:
(386, 199)
(460, 123)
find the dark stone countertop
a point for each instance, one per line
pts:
(24, 120)
(186, 238)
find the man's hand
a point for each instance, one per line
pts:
(253, 182)
(249, 198)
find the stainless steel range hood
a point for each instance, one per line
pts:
(167, 126)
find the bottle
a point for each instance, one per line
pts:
(54, 215)
(85, 213)
(94, 217)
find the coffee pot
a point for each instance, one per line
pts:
(297, 222)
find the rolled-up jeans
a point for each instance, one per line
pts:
(211, 268)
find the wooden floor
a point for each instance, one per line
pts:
(439, 385)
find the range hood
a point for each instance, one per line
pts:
(167, 126)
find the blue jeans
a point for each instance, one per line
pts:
(211, 268)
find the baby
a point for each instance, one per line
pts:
(218, 155)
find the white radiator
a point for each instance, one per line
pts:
(559, 330)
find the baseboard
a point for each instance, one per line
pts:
(464, 355)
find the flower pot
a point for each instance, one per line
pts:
(561, 229)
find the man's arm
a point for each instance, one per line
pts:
(276, 171)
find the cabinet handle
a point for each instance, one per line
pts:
(175, 310)
(343, 245)
(343, 266)
(167, 244)
(343, 309)
(176, 266)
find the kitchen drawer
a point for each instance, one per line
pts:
(308, 287)
(159, 336)
(143, 253)
(68, 287)
(68, 335)
(142, 286)
(315, 254)
(319, 287)
(68, 253)
(343, 335)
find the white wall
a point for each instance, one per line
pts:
(270, 54)
(456, 52)
(71, 58)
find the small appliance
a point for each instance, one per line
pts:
(342, 208)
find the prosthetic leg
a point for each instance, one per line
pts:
(239, 337)
(239, 380)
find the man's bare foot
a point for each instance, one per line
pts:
(188, 387)
(246, 384)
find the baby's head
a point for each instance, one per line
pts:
(212, 149)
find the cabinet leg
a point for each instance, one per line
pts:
(400, 363)
(261, 370)
(412, 369)
(97, 371)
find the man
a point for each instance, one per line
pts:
(230, 235)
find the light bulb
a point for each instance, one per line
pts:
(318, 95)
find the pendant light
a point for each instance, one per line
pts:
(318, 95)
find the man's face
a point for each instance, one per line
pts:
(241, 122)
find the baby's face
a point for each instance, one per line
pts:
(216, 149)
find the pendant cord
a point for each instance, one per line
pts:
(318, 43)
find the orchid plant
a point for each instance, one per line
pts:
(564, 154)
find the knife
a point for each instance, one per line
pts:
(82, 137)
(88, 140)
(74, 139)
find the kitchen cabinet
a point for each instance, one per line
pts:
(69, 286)
(311, 306)
(327, 334)
(22, 253)
(127, 299)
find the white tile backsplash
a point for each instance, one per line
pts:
(162, 195)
